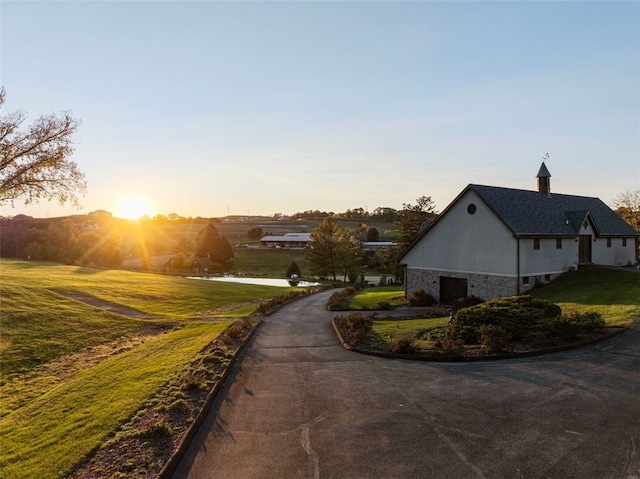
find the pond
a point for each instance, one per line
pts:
(283, 283)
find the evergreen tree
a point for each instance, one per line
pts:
(210, 244)
(293, 269)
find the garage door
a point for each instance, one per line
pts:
(452, 289)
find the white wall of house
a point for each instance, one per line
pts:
(612, 251)
(549, 259)
(463, 242)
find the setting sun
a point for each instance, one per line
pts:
(132, 208)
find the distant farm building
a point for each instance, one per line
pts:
(373, 245)
(288, 240)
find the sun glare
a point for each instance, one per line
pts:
(132, 208)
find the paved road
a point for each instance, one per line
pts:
(300, 406)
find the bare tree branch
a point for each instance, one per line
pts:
(35, 164)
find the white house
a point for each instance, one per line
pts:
(491, 242)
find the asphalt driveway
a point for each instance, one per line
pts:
(300, 406)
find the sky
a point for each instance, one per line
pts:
(209, 108)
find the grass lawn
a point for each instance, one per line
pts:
(50, 434)
(370, 298)
(614, 293)
(72, 373)
(269, 262)
(418, 329)
(39, 325)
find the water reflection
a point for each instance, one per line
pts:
(259, 281)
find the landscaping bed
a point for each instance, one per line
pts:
(373, 345)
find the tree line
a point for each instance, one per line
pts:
(71, 242)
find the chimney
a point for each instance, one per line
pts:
(544, 180)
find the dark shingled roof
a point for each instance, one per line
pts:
(530, 213)
(543, 172)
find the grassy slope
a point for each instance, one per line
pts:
(269, 261)
(93, 403)
(614, 293)
(370, 298)
(39, 325)
(52, 419)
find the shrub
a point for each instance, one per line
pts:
(403, 346)
(158, 430)
(270, 304)
(518, 315)
(467, 302)
(178, 405)
(571, 324)
(493, 338)
(421, 298)
(356, 325)
(450, 348)
(341, 299)
(235, 331)
(430, 334)
(384, 305)
(192, 381)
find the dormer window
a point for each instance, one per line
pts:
(585, 224)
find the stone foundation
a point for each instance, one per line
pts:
(480, 285)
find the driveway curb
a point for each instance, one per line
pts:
(172, 463)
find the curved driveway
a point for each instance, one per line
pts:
(298, 405)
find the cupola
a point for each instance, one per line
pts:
(544, 180)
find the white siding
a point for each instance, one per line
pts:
(548, 259)
(464, 242)
(616, 254)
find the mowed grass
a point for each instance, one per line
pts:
(614, 293)
(53, 432)
(39, 325)
(269, 262)
(370, 298)
(54, 414)
(388, 330)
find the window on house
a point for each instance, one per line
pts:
(624, 242)
(558, 243)
(536, 243)
(525, 280)
(547, 277)
(608, 242)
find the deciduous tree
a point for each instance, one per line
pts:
(627, 205)
(414, 217)
(35, 162)
(332, 250)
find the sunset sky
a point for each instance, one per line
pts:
(207, 108)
